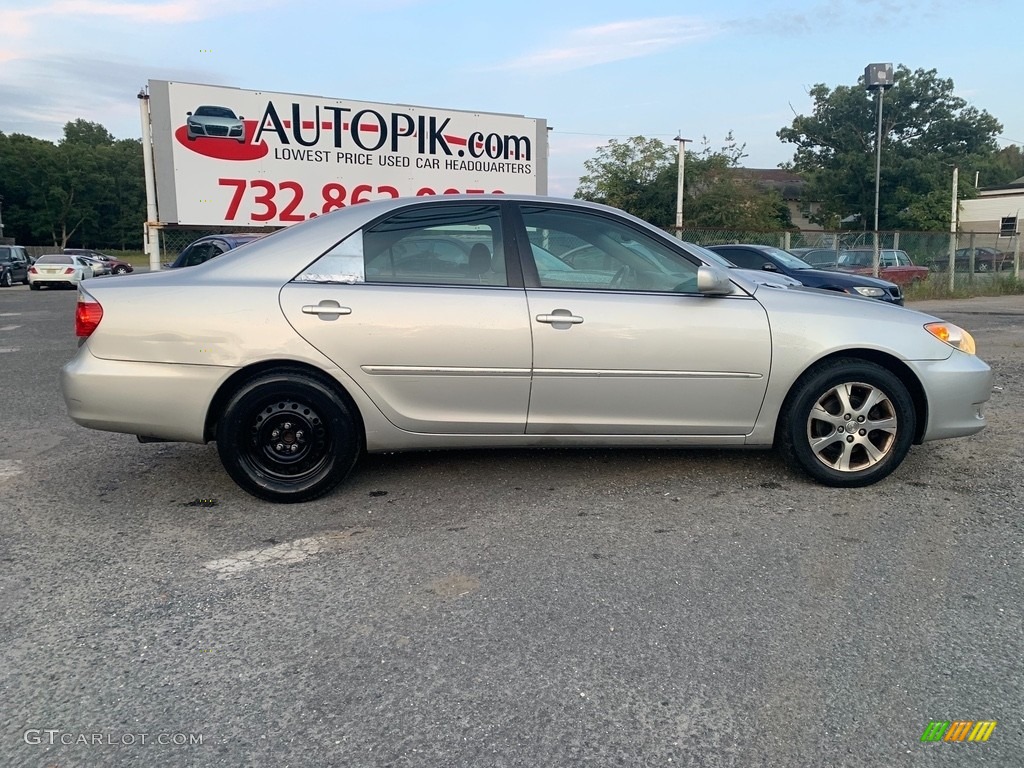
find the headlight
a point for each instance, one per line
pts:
(864, 290)
(953, 335)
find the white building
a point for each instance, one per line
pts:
(996, 210)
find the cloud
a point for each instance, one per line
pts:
(42, 94)
(602, 44)
(20, 23)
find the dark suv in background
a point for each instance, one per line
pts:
(14, 264)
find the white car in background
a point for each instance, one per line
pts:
(58, 269)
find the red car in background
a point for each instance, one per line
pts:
(893, 265)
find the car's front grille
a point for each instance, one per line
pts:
(217, 130)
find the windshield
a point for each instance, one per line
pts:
(51, 258)
(711, 256)
(787, 258)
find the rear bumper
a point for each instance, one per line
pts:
(158, 400)
(957, 389)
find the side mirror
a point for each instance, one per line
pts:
(241, 118)
(769, 267)
(713, 281)
(188, 114)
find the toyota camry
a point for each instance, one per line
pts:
(458, 322)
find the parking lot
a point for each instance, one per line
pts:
(532, 608)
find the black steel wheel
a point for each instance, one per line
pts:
(847, 423)
(287, 436)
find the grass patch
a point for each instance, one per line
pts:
(937, 287)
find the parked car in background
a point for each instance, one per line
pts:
(206, 248)
(761, 276)
(985, 260)
(99, 267)
(14, 264)
(298, 352)
(819, 258)
(115, 266)
(766, 257)
(62, 270)
(893, 265)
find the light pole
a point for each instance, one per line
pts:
(953, 216)
(877, 77)
(679, 184)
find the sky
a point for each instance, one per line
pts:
(595, 70)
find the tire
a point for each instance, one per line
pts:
(33, 286)
(6, 280)
(982, 267)
(287, 436)
(814, 436)
(120, 270)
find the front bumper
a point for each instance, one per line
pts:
(956, 389)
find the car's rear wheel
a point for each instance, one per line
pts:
(6, 280)
(33, 286)
(847, 423)
(287, 436)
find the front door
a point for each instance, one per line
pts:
(623, 342)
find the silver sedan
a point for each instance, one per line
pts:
(367, 330)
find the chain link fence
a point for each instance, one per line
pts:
(976, 252)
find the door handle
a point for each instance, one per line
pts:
(556, 317)
(326, 308)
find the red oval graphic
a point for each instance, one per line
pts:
(223, 148)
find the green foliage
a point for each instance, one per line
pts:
(640, 176)
(88, 190)
(926, 129)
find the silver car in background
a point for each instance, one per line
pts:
(434, 323)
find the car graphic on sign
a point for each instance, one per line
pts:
(215, 123)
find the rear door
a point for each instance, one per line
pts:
(425, 312)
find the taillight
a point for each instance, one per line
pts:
(88, 314)
(69, 271)
(33, 271)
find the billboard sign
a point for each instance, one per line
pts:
(230, 157)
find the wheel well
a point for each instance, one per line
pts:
(239, 377)
(895, 366)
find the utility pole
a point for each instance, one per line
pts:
(679, 184)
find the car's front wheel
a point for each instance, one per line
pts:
(120, 270)
(287, 436)
(847, 423)
(6, 280)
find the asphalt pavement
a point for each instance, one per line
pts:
(502, 608)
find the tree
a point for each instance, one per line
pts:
(926, 129)
(87, 190)
(641, 175)
(720, 195)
